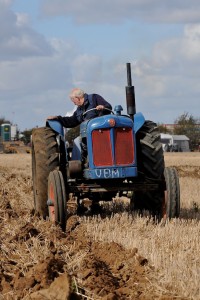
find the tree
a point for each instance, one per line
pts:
(187, 125)
(72, 134)
(26, 136)
(162, 128)
(3, 120)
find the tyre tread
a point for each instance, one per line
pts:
(45, 159)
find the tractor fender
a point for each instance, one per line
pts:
(138, 121)
(56, 126)
(60, 137)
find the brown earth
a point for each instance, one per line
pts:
(39, 261)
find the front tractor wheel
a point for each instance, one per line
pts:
(57, 199)
(171, 202)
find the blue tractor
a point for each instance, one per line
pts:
(123, 155)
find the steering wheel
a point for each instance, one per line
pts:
(99, 110)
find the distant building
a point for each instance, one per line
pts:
(14, 132)
(175, 143)
(5, 132)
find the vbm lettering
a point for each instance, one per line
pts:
(107, 173)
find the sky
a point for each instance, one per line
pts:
(48, 47)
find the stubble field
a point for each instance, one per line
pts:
(117, 255)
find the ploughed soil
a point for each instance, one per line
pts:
(39, 261)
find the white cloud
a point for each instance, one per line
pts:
(191, 43)
(22, 19)
(192, 31)
(168, 81)
(17, 38)
(116, 11)
(36, 74)
(86, 68)
(5, 3)
(181, 54)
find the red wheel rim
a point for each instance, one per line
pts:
(52, 207)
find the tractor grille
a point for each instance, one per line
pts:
(123, 152)
(102, 148)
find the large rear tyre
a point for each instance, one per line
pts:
(57, 199)
(150, 156)
(171, 205)
(45, 158)
(150, 160)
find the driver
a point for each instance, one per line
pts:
(84, 103)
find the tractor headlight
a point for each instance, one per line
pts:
(111, 122)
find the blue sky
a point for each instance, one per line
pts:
(48, 47)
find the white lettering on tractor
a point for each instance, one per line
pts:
(98, 173)
(115, 173)
(107, 173)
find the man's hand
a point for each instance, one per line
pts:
(99, 107)
(51, 118)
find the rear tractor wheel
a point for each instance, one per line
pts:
(150, 161)
(45, 158)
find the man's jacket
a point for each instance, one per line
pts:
(90, 101)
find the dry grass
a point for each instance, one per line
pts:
(188, 165)
(190, 188)
(20, 163)
(172, 250)
(182, 159)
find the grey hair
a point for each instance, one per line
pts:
(76, 92)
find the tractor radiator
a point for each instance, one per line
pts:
(113, 147)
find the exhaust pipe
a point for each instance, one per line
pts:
(130, 93)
